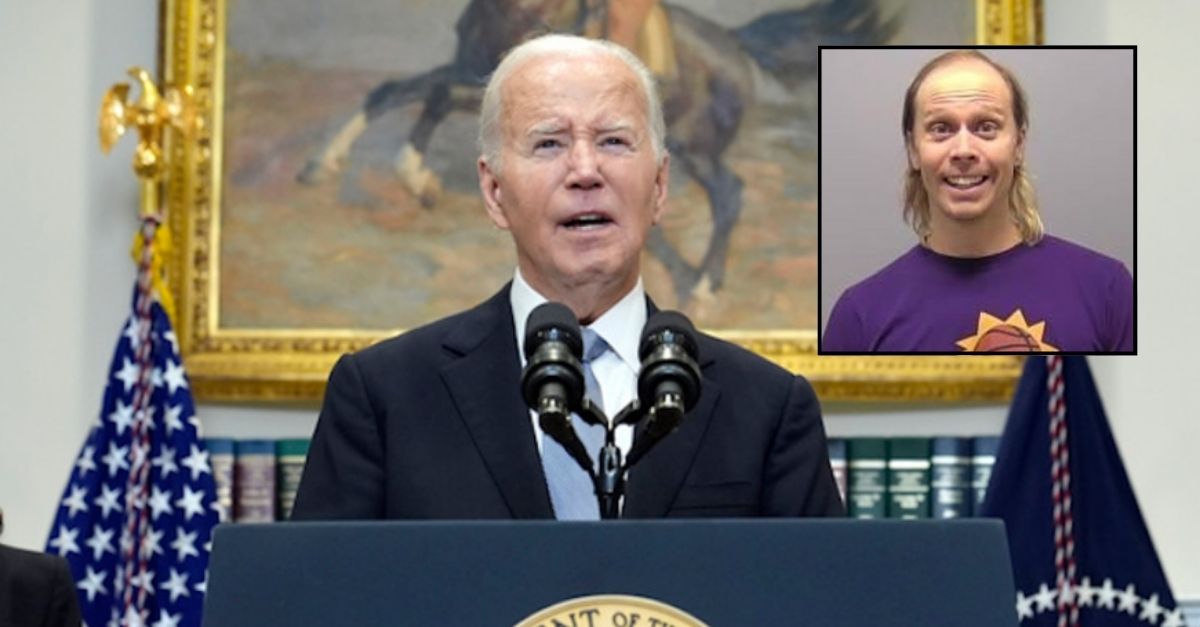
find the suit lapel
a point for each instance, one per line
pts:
(485, 385)
(655, 481)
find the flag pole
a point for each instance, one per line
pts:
(129, 489)
(150, 114)
(150, 194)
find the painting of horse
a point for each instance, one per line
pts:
(349, 195)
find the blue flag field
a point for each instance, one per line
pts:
(1081, 553)
(136, 517)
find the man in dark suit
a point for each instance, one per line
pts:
(35, 589)
(431, 424)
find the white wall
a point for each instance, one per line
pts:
(68, 215)
(65, 229)
(1150, 398)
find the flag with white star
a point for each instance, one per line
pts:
(1081, 553)
(136, 517)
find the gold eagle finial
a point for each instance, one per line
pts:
(150, 113)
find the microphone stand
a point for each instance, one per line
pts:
(610, 472)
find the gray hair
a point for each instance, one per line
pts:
(492, 109)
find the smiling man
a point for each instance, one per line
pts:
(431, 424)
(984, 277)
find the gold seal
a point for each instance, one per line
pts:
(611, 610)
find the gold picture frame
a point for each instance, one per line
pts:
(291, 365)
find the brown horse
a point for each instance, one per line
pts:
(704, 101)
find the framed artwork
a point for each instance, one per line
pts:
(330, 200)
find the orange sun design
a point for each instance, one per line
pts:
(1013, 335)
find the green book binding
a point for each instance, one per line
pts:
(254, 481)
(908, 478)
(220, 456)
(289, 460)
(867, 480)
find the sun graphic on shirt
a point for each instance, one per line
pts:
(1011, 335)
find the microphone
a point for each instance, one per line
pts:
(669, 381)
(552, 382)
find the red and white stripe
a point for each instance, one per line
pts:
(1060, 477)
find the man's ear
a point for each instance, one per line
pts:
(662, 186)
(1019, 157)
(490, 189)
(914, 160)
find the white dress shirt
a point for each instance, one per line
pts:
(616, 370)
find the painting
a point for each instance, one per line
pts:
(331, 200)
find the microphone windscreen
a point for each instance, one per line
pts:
(671, 327)
(552, 321)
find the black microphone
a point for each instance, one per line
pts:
(552, 383)
(669, 381)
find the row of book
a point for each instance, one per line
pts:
(936, 477)
(256, 479)
(908, 478)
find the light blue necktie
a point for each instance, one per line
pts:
(571, 489)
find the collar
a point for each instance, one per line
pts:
(621, 326)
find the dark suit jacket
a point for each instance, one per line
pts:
(36, 590)
(431, 424)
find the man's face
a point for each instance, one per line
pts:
(579, 186)
(965, 142)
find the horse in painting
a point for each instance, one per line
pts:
(704, 101)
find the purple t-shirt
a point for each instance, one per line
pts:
(1052, 296)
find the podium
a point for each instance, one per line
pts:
(843, 573)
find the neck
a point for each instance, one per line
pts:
(588, 298)
(974, 238)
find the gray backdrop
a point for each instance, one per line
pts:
(1080, 152)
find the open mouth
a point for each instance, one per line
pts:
(964, 182)
(587, 221)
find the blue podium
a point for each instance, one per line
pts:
(738, 573)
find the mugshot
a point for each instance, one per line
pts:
(977, 200)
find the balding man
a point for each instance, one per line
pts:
(984, 277)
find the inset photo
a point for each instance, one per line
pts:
(977, 200)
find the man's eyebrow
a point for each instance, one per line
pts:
(546, 128)
(615, 127)
(932, 110)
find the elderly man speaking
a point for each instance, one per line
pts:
(432, 425)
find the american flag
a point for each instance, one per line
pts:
(136, 518)
(1081, 553)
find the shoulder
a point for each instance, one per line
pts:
(41, 586)
(442, 339)
(733, 364)
(1099, 275)
(887, 284)
(414, 359)
(1069, 252)
(32, 566)
(852, 324)
(895, 276)
(23, 557)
